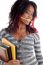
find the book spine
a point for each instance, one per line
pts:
(9, 53)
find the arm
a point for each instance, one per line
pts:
(38, 50)
(1, 62)
(11, 62)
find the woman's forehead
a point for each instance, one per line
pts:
(30, 8)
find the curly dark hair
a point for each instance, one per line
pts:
(18, 9)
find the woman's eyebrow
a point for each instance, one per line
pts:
(29, 11)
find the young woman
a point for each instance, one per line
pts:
(21, 33)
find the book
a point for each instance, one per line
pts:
(5, 53)
(13, 47)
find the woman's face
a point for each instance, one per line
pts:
(27, 16)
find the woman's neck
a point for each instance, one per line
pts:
(22, 27)
(21, 31)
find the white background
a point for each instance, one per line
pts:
(5, 6)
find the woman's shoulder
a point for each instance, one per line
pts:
(2, 32)
(35, 35)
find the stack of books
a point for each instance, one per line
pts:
(8, 51)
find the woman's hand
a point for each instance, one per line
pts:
(12, 62)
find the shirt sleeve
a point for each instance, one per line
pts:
(38, 53)
(1, 62)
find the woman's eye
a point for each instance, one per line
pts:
(29, 13)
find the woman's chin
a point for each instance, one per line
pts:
(26, 23)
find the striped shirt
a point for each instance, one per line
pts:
(28, 49)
